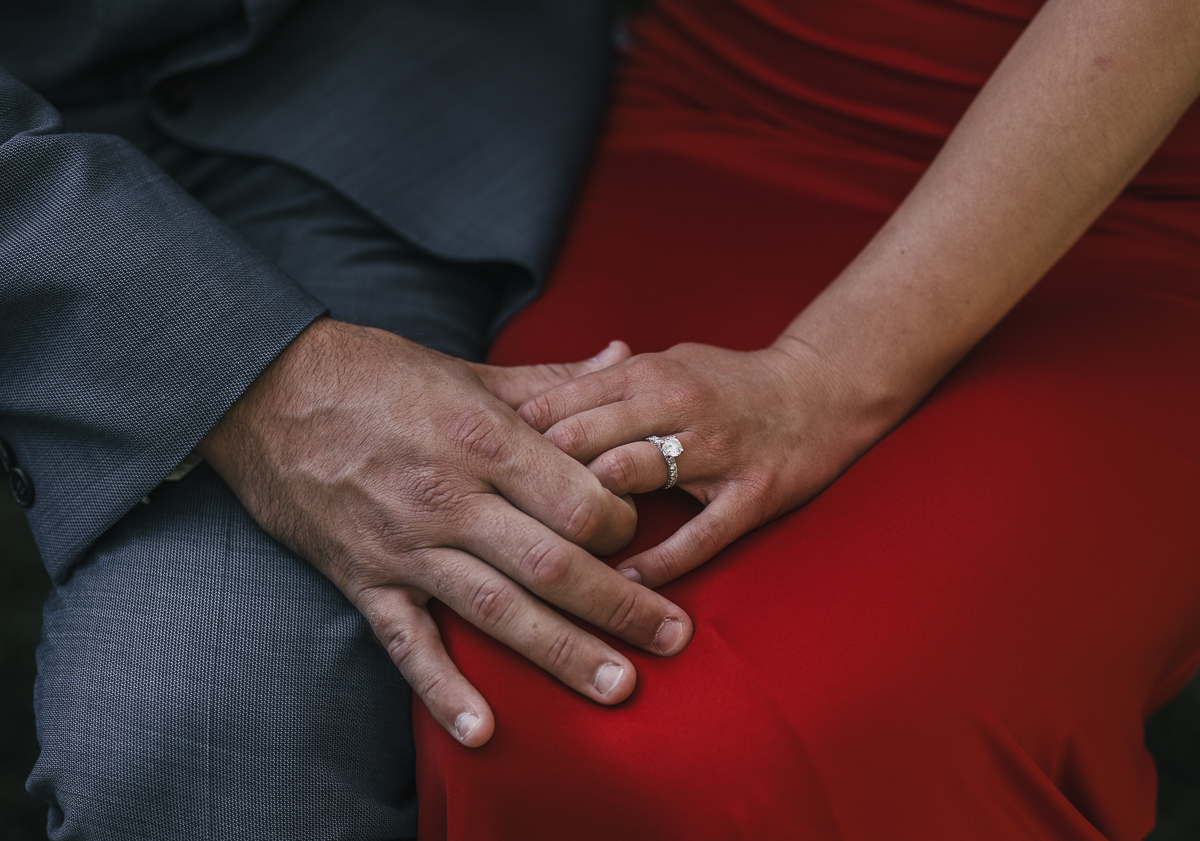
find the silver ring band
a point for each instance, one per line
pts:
(670, 448)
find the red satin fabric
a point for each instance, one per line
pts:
(960, 638)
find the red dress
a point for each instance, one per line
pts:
(962, 636)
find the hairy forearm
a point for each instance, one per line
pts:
(1071, 114)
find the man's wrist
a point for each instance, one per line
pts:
(220, 446)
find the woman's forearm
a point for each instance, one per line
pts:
(1085, 96)
(1070, 115)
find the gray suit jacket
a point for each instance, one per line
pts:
(132, 318)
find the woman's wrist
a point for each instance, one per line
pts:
(872, 388)
(842, 412)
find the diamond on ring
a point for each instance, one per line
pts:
(670, 448)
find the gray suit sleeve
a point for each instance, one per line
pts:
(131, 320)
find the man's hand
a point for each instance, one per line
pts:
(397, 474)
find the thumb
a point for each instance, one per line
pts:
(520, 383)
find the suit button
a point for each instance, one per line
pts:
(22, 487)
(173, 96)
(7, 459)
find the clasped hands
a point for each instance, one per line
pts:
(404, 475)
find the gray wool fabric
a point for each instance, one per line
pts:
(183, 189)
(113, 283)
(196, 680)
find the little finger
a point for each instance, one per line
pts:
(409, 635)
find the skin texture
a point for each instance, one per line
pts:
(1072, 113)
(397, 473)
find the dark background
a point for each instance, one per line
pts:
(1173, 735)
(23, 586)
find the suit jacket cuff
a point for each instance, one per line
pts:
(133, 320)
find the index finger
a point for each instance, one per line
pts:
(721, 522)
(588, 392)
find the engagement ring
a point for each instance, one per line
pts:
(669, 447)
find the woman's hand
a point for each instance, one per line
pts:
(762, 432)
(1046, 145)
(1050, 140)
(518, 384)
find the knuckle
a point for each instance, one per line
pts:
(492, 604)
(658, 366)
(400, 643)
(432, 686)
(584, 518)
(684, 395)
(476, 435)
(625, 613)
(362, 575)
(391, 532)
(758, 500)
(562, 652)
(644, 369)
(426, 490)
(623, 469)
(669, 566)
(554, 372)
(758, 487)
(538, 412)
(722, 444)
(570, 435)
(707, 537)
(544, 566)
(434, 574)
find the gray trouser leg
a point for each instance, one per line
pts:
(196, 679)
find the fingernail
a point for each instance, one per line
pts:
(465, 725)
(606, 355)
(608, 676)
(632, 574)
(668, 636)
